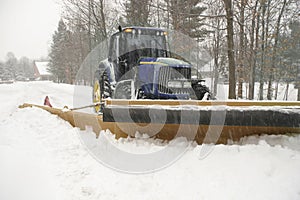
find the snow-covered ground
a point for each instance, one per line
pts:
(43, 157)
(284, 93)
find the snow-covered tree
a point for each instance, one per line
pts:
(11, 65)
(186, 17)
(137, 12)
(57, 63)
(25, 67)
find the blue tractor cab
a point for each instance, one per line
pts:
(140, 66)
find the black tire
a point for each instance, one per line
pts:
(105, 86)
(101, 90)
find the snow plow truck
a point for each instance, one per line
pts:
(142, 86)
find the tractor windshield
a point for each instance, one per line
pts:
(145, 43)
(128, 46)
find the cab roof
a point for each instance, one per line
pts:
(143, 28)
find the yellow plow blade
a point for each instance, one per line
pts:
(202, 121)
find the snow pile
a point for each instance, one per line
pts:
(43, 157)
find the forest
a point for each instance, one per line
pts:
(16, 69)
(248, 41)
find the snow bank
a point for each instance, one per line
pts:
(43, 157)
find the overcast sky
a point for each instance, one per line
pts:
(27, 27)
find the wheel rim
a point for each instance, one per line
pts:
(97, 96)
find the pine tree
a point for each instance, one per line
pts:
(2, 70)
(24, 67)
(186, 17)
(11, 65)
(57, 63)
(137, 12)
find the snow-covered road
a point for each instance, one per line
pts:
(43, 157)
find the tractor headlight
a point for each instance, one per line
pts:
(187, 84)
(174, 84)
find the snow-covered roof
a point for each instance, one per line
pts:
(42, 67)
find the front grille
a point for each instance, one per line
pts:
(167, 73)
(164, 76)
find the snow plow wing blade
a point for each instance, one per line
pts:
(202, 121)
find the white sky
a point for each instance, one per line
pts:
(27, 27)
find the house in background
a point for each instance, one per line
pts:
(41, 72)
